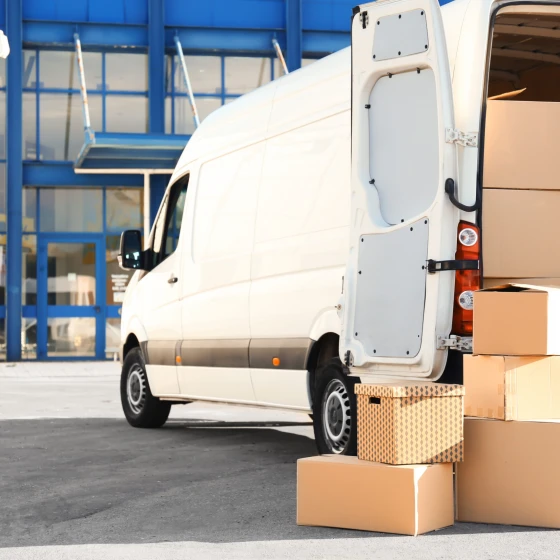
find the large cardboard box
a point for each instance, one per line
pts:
(521, 233)
(512, 388)
(521, 145)
(493, 282)
(408, 500)
(510, 473)
(408, 424)
(517, 320)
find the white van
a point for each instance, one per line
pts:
(324, 229)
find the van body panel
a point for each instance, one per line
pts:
(375, 207)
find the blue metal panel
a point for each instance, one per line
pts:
(158, 184)
(14, 180)
(293, 34)
(109, 11)
(3, 14)
(249, 14)
(62, 34)
(62, 174)
(156, 67)
(321, 42)
(327, 15)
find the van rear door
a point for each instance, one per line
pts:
(402, 114)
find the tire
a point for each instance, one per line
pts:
(140, 407)
(334, 410)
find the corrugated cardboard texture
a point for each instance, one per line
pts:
(522, 145)
(420, 389)
(511, 323)
(407, 500)
(409, 430)
(493, 282)
(512, 388)
(521, 233)
(510, 473)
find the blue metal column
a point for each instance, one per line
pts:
(14, 176)
(293, 34)
(156, 66)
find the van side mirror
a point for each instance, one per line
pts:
(131, 254)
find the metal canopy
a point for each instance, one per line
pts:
(107, 150)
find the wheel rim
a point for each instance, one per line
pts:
(337, 416)
(136, 389)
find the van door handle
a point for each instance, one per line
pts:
(173, 280)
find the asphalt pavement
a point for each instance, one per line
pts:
(76, 482)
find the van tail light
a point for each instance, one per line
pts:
(466, 281)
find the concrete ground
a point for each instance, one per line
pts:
(76, 482)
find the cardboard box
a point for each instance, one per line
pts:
(493, 282)
(512, 388)
(510, 473)
(410, 424)
(521, 145)
(521, 233)
(517, 320)
(407, 500)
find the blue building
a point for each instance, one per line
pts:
(65, 196)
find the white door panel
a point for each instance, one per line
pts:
(282, 388)
(401, 107)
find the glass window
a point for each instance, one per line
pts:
(307, 61)
(126, 72)
(244, 74)
(62, 124)
(71, 337)
(29, 270)
(117, 278)
(169, 222)
(205, 74)
(2, 197)
(183, 114)
(29, 209)
(29, 69)
(127, 113)
(168, 115)
(112, 338)
(2, 124)
(2, 72)
(29, 102)
(3, 240)
(71, 209)
(59, 69)
(124, 208)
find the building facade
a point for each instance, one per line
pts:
(60, 284)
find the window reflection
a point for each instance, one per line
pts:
(124, 208)
(126, 72)
(183, 113)
(29, 270)
(59, 69)
(205, 74)
(62, 124)
(244, 74)
(29, 106)
(127, 113)
(71, 209)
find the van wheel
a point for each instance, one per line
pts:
(334, 410)
(140, 407)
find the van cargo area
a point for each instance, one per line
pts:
(521, 173)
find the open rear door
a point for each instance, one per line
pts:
(402, 112)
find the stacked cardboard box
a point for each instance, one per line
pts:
(402, 480)
(512, 404)
(521, 198)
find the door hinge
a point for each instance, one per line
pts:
(348, 359)
(365, 19)
(453, 136)
(442, 266)
(461, 343)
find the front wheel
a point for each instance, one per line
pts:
(140, 407)
(334, 410)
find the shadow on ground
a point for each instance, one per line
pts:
(100, 481)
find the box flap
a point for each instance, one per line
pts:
(419, 389)
(514, 287)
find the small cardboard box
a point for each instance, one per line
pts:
(512, 388)
(407, 500)
(521, 234)
(510, 473)
(517, 320)
(409, 424)
(521, 145)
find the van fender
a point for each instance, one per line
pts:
(133, 327)
(327, 321)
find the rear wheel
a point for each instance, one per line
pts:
(334, 410)
(140, 407)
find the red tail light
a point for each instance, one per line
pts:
(466, 281)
